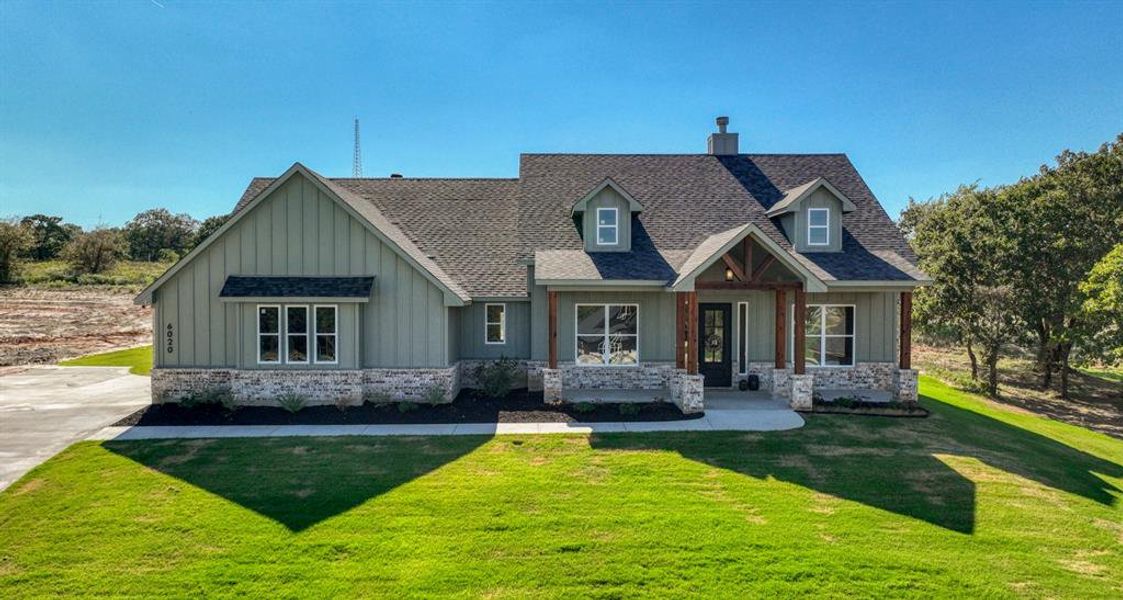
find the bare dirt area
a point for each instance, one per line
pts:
(40, 325)
(1095, 402)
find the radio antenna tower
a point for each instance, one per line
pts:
(357, 159)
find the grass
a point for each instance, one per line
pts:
(56, 273)
(1107, 373)
(975, 501)
(139, 360)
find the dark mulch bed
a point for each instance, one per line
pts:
(875, 409)
(520, 406)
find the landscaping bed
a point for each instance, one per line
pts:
(520, 406)
(877, 409)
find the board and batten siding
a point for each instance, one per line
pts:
(656, 322)
(471, 331)
(298, 230)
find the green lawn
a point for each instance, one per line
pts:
(975, 501)
(1108, 373)
(139, 360)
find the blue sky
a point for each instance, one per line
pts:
(107, 109)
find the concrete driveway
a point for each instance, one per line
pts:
(45, 409)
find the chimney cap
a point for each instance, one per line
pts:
(722, 122)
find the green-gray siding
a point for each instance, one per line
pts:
(471, 331)
(298, 230)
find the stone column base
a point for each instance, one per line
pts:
(552, 386)
(687, 392)
(781, 383)
(801, 391)
(904, 386)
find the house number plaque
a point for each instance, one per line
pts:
(171, 339)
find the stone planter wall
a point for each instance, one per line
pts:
(800, 396)
(862, 376)
(687, 392)
(905, 386)
(468, 370)
(552, 386)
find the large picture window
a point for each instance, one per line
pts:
(818, 226)
(268, 334)
(607, 334)
(297, 334)
(495, 323)
(326, 334)
(830, 335)
(608, 226)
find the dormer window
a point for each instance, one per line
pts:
(818, 227)
(608, 226)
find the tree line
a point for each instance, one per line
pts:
(1037, 264)
(151, 236)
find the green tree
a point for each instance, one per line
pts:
(207, 228)
(49, 235)
(1065, 219)
(14, 241)
(95, 251)
(158, 229)
(1101, 312)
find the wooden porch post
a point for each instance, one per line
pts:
(781, 317)
(906, 330)
(692, 333)
(680, 330)
(552, 336)
(798, 346)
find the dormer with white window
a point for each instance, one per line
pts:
(811, 216)
(604, 216)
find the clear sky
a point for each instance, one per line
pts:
(109, 108)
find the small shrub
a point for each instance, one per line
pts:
(496, 378)
(628, 409)
(584, 407)
(292, 402)
(376, 397)
(435, 395)
(191, 400)
(408, 407)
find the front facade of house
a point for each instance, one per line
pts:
(667, 273)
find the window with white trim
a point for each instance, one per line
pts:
(495, 323)
(268, 334)
(608, 226)
(818, 226)
(607, 334)
(327, 333)
(829, 331)
(296, 334)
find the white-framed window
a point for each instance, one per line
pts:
(829, 335)
(743, 338)
(268, 334)
(296, 334)
(608, 226)
(607, 334)
(495, 323)
(818, 226)
(326, 330)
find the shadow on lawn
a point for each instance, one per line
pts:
(893, 464)
(298, 482)
(890, 464)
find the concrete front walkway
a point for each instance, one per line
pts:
(753, 416)
(45, 409)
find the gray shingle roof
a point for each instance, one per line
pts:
(481, 232)
(237, 286)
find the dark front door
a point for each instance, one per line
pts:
(715, 323)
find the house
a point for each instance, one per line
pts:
(667, 272)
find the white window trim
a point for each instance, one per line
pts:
(307, 331)
(743, 338)
(279, 334)
(823, 336)
(314, 347)
(826, 227)
(604, 306)
(502, 323)
(615, 227)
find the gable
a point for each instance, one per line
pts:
(295, 227)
